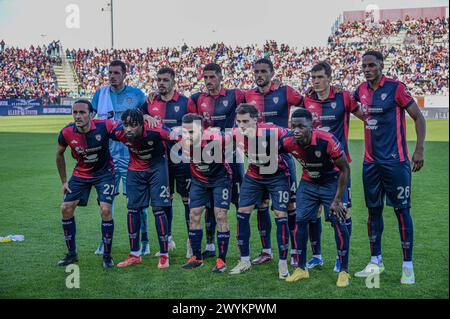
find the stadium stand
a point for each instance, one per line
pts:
(416, 53)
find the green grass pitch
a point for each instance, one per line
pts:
(29, 204)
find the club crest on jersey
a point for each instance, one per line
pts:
(150, 143)
(98, 137)
(364, 108)
(333, 105)
(225, 103)
(275, 99)
(383, 96)
(176, 108)
(318, 153)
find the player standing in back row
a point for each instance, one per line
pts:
(331, 113)
(386, 167)
(274, 105)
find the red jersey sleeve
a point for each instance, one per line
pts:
(334, 148)
(293, 96)
(61, 139)
(402, 96)
(191, 107)
(240, 96)
(350, 103)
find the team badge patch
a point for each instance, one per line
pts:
(176, 108)
(275, 99)
(150, 143)
(225, 103)
(318, 153)
(333, 105)
(98, 137)
(383, 96)
(364, 108)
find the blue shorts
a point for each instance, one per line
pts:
(179, 176)
(253, 191)
(149, 186)
(237, 178)
(218, 190)
(81, 188)
(311, 195)
(293, 175)
(388, 180)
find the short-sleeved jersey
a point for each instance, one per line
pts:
(218, 110)
(171, 112)
(317, 158)
(127, 98)
(91, 149)
(384, 120)
(209, 169)
(333, 114)
(146, 149)
(266, 141)
(274, 106)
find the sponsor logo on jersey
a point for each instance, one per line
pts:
(372, 124)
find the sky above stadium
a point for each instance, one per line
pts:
(154, 23)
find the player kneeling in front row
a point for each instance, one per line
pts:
(267, 173)
(324, 180)
(211, 178)
(147, 180)
(89, 143)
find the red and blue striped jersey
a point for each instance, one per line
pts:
(171, 112)
(384, 120)
(333, 114)
(266, 142)
(218, 110)
(317, 158)
(274, 106)
(205, 164)
(146, 149)
(91, 149)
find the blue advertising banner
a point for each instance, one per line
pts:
(22, 107)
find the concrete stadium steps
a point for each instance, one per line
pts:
(66, 76)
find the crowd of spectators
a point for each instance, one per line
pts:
(28, 74)
(420, 60)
